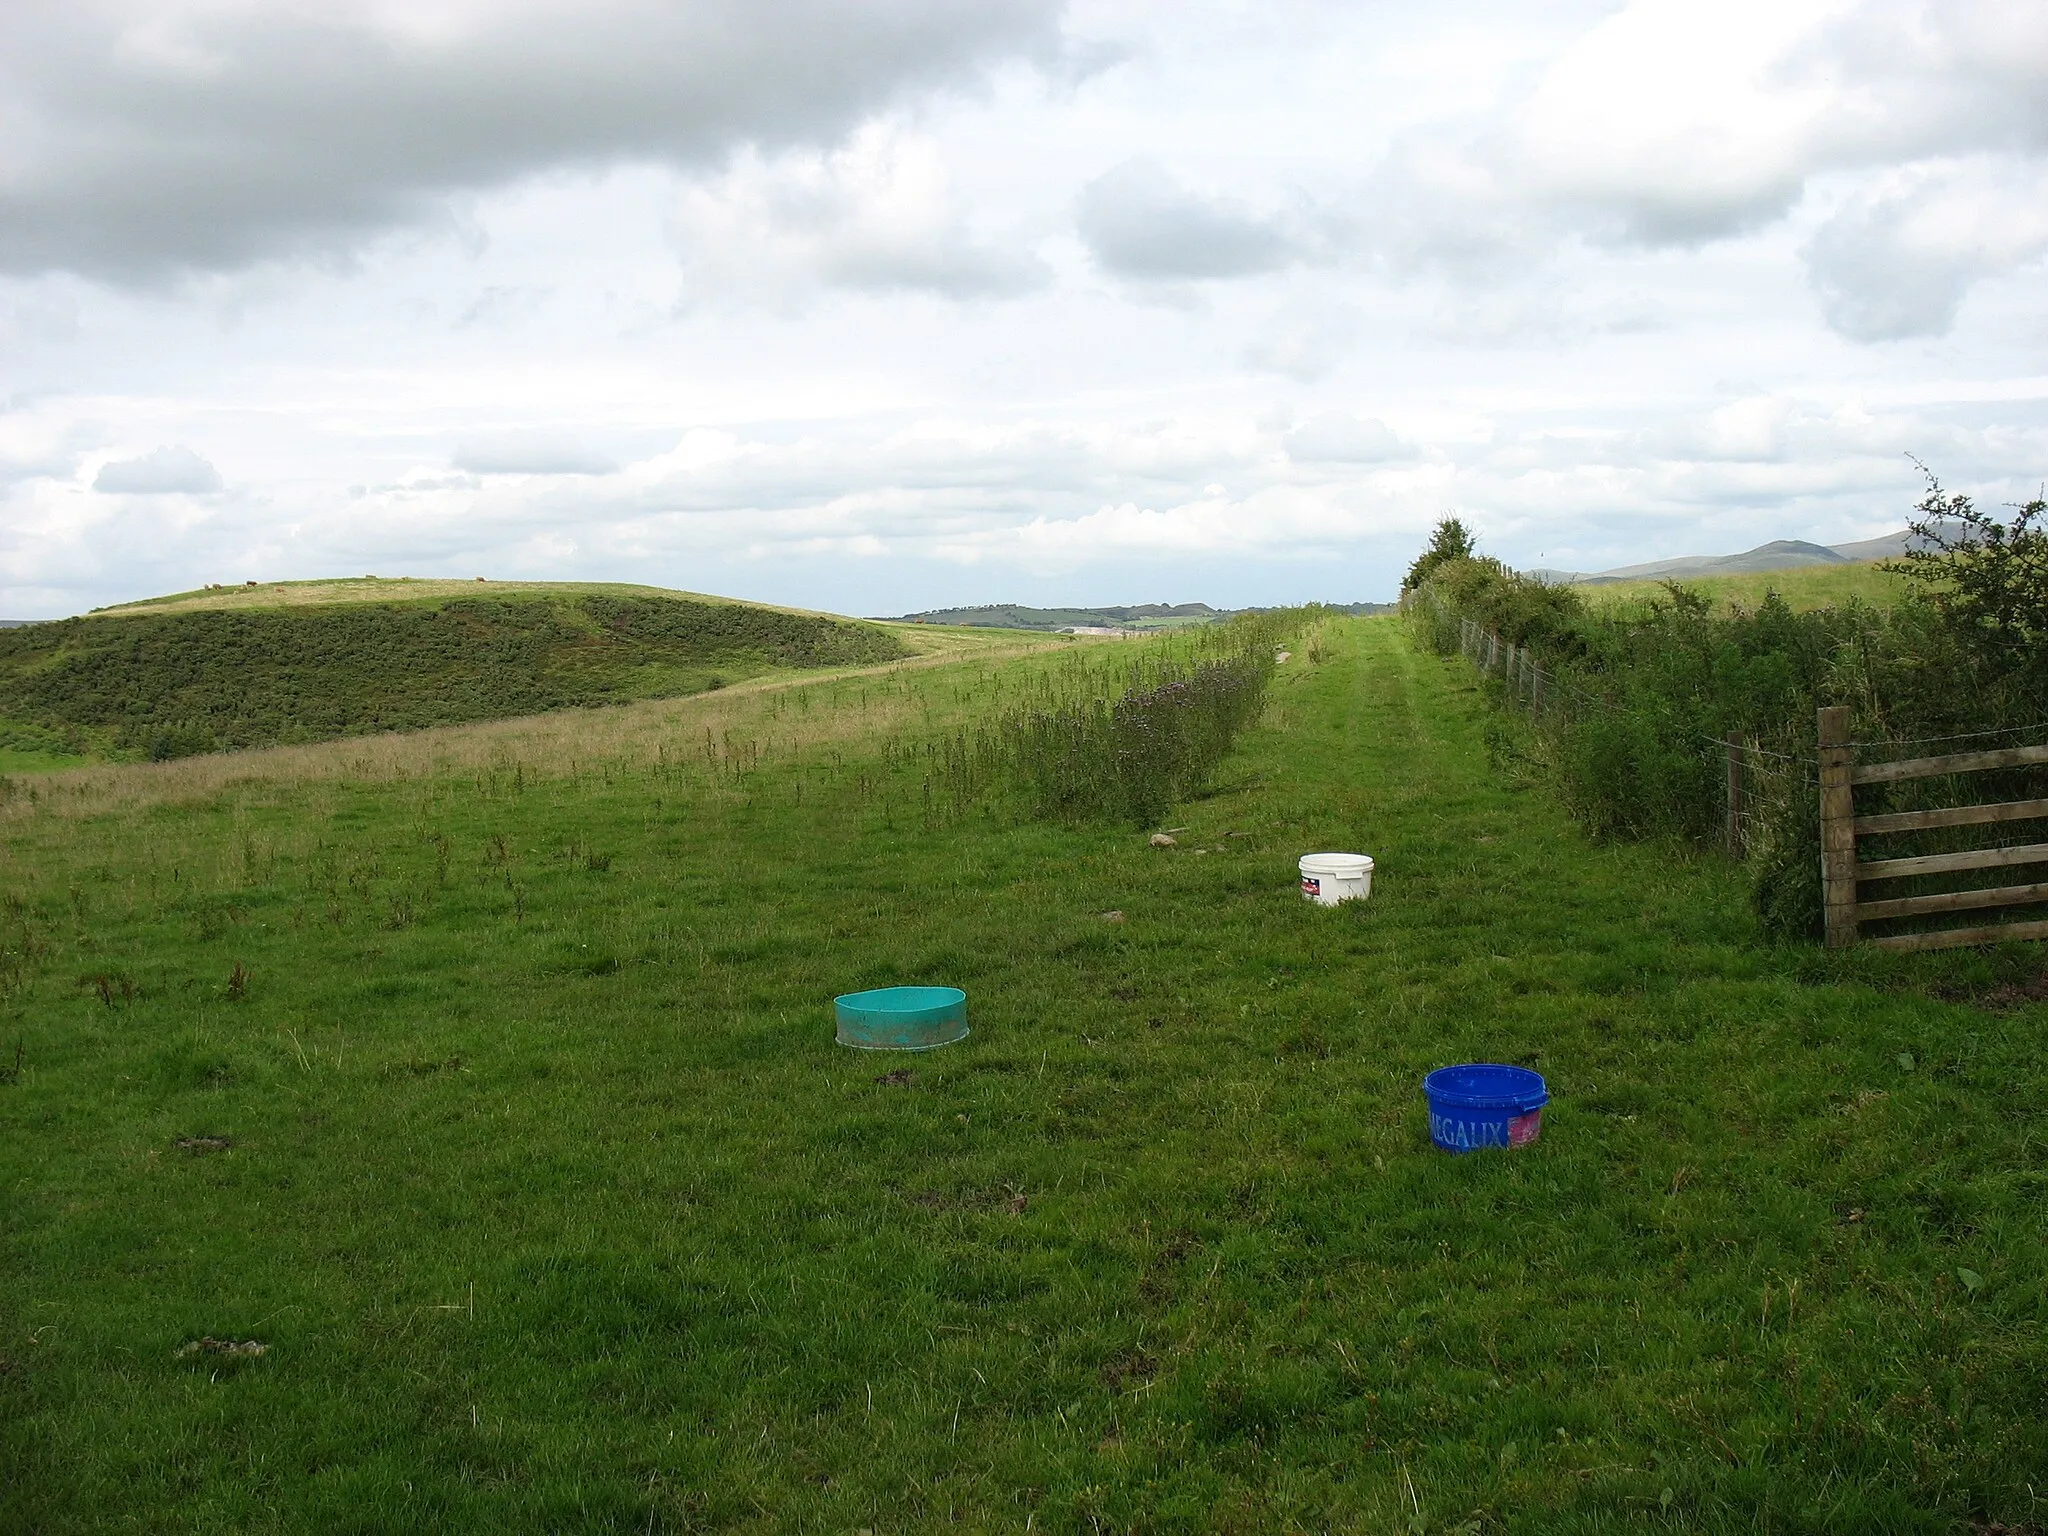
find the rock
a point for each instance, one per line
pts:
(1162, 840)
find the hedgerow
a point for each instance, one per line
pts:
(1645, 696)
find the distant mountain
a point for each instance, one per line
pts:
(1139, 616)
(1778, 555)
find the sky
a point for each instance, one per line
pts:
(883, 305)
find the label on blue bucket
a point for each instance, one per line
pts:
(1483, 1104)
(1468, 1135)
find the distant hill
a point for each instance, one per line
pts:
(1778, 555)
(1140, 616)
(245, 667)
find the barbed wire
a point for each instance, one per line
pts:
(1922, 741)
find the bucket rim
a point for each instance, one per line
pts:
(900, 1002)
(1511, 1087)
(1332, 863)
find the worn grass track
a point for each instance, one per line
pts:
(557, 1209)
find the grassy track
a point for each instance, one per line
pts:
(559, 1210)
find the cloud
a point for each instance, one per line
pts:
(146, 138)
(1139, 221)
(169, 470)
(1900, 254)
(1338, 438)
(526, 456)
(1668, 126)
(877, 215)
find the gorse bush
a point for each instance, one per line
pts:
(1646, 694)
(168, 685)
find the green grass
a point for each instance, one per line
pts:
(1803, 587)
(558, 1209)
(13, 760)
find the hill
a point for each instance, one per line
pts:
(245, 667)
(1777, 555)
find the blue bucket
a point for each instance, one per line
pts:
(901, 1018)
(1482, 1105)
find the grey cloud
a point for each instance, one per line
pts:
(147, 139)
(525, 457)
(164, 471)
(1338, 438)
(1897, 259)
(1139, 221)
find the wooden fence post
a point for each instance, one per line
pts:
(1735, 838)
(1837, 827)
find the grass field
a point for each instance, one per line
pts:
(1803, 587)
(485, 1078)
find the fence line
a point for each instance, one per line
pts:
(1543, 693)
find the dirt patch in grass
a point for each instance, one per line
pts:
(199, 1146)
(1133, 1367)
(225, 1349)
(2017, 994)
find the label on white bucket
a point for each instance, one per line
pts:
(1328, 878)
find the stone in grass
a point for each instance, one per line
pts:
(1162, 840)
(199, 1146)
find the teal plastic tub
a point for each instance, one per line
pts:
(901, 1018)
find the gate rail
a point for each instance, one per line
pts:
(1843, 874)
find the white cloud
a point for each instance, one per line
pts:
(1341, 438)
(879, 214)
(1672, 125)
(169, 470)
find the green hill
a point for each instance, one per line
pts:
(247, 667)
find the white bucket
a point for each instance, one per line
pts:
(1328, 878)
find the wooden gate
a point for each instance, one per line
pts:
(1843, 875)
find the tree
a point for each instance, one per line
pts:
(1987, 579)
(1451, 540)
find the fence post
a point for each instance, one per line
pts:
(1735, 837)
(1837, 827)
